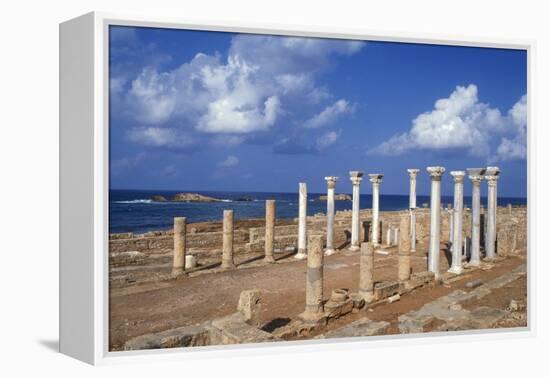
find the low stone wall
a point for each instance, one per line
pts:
(512, 231)
(511, 234)
(159, 244)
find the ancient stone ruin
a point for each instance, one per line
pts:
(390, 256)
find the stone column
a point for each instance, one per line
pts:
(302, 222)
(494, 170)
(388, 236)
(356, 177)
(376, 179)
(331, 184)
(227, 249)
(451, 224)
(435, 218)
(314, 280)
(178, 266)
(476, 176)
(456, 264)
(269, 230)
(412, 206)
(366, 269)
(491, 176)
(404, 251)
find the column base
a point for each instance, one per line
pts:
(269, 259)
(474, 263)
(300, 255)
(455, 270)
(368, 296)
(178, 272)
(312, 317)
(329, 251)
(354, 248)
(227, 266)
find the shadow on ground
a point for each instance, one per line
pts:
(52, 345)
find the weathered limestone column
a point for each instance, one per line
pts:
(491, 176)
(356, 177)
(227, 248)
(331, 184)
(494, 170)
(404, 251)
(412, 205)
(435, 218)
(314, 280)
(388, 236)
(476, 176)
(451, 224)
(366, 269)
(269, 230)
(302, 222)
(178, 266)
(456, 264)
(376, 179)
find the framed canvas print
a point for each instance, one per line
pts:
(226, 187)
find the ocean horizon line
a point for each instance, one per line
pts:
(292, 192)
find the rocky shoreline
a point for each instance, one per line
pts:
(186, 197)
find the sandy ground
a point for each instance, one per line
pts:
(153, 307)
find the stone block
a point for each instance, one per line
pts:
(414, 322)
(386, 289)
(189, 336)
(473, 284)
(461, 297)
(362, 327)
(336, 309)
(250, 306)
(234, 330)
(485, 317)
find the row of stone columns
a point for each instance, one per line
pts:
(476, 175)
(356, 177)
(314, 276)
(180, 224)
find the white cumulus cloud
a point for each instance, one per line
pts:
(329, 114)
(327, 139)
(458, 121)
(160, 137)
(243, 93)
(515, 148)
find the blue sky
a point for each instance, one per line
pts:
(213, 111)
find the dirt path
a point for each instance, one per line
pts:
(160, 306)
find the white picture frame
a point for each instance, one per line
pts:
(84, 162)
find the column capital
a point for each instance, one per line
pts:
(413, 173)
(331, 181)
(435, 172)
(458, 176)
(491, 180)
(356, 177)
(476, 174)
(376, 178)
(491, 175)
(492, 170)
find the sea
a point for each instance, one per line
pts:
(134, 211)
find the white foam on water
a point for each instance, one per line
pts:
(146, 201)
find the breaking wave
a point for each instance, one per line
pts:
(145, 201)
